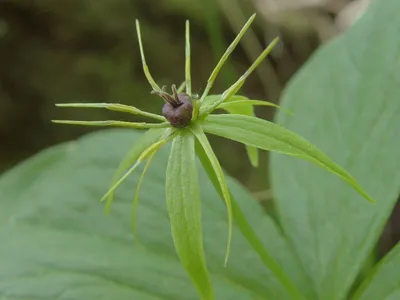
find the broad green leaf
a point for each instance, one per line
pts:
(59, 244)
(384, 280)
(269, 136)
(346, 101)
(203, 141)
(184, 210)
(246, 229)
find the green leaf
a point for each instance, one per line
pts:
(184, 210)
(59, 244)
(236, 104)
(243, 106)
(269, 136)
(238, 108)
(203, 141)
(346, 101)
(240, 104)
(246, 229)
(242, 109)
(384, 280)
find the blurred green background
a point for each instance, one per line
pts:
(54, 51)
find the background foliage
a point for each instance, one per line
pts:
(350, 87)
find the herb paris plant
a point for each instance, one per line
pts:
(185, 121)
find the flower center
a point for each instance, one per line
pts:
(178, 108)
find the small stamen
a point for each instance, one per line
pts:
(167, 98)
(175, 93)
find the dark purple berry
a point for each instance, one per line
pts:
(178, 108)
(179, 116)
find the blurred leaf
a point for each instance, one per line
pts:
(384, 280)
(269, 136)
(58, 244)
(213, 24)
(184, 210)
(346, 101)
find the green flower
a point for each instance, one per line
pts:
(185, 121)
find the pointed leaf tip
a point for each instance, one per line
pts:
(268, 136)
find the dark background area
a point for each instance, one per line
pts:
(55, 51)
